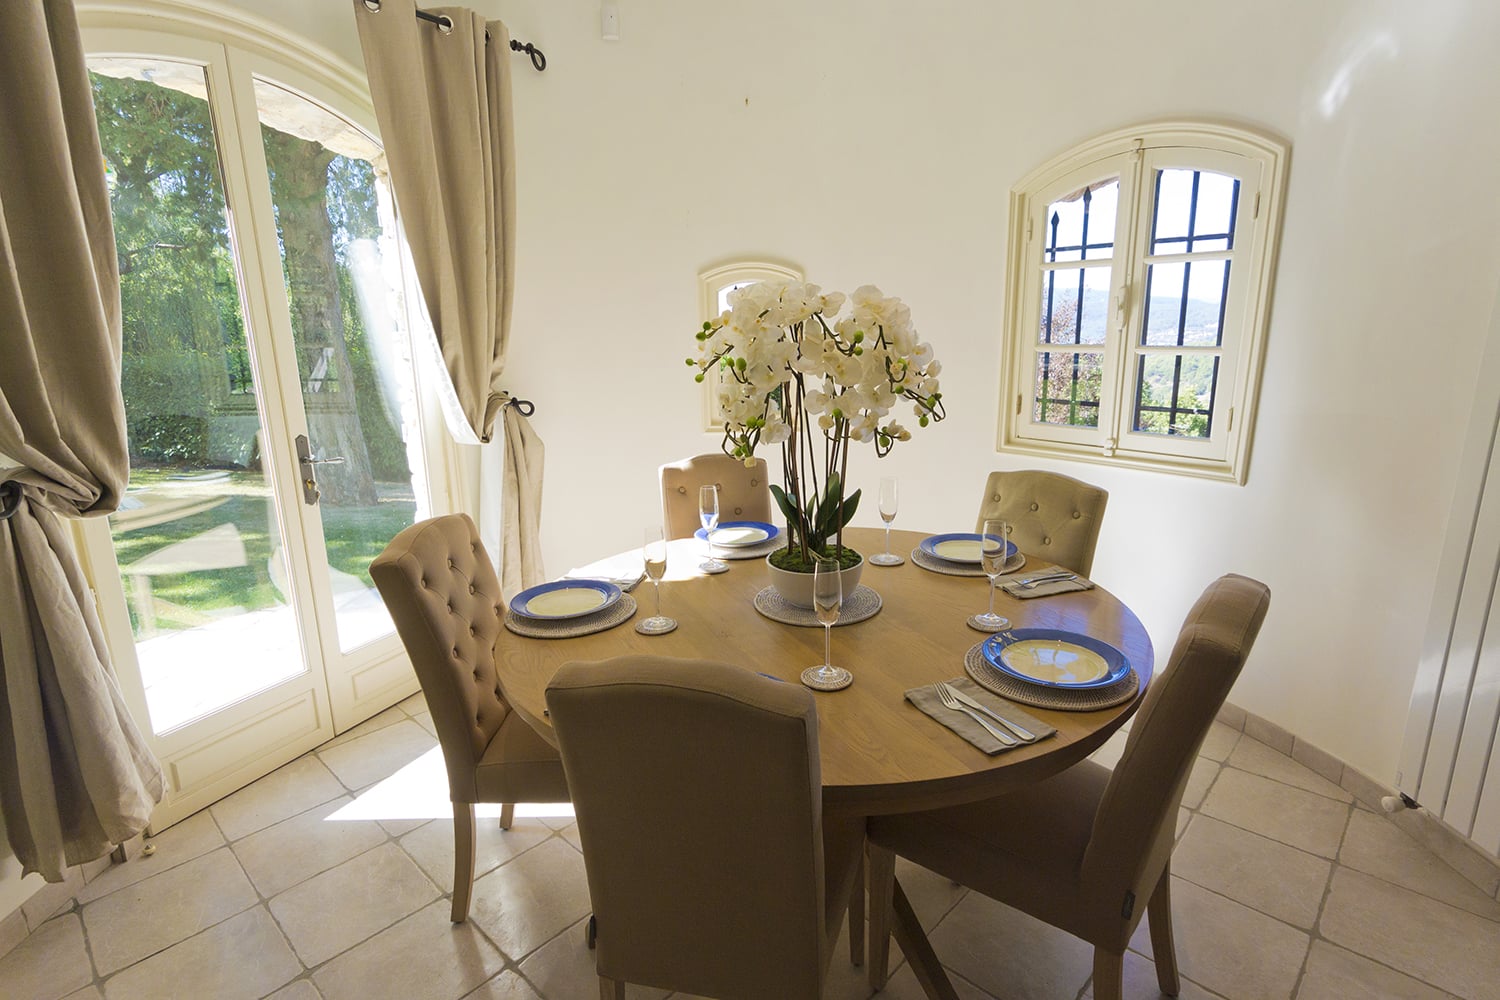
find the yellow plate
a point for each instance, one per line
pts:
(563, 603)
(958, 550)
(1054, 661)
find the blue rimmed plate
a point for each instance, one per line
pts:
(741, 534)
(564, 599)
(1056, 658)
(960, 547)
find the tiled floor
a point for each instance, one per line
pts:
(327, 879)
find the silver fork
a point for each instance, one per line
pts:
(1037, 581)
(951, 702)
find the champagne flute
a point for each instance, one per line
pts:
(993, 550)
(828, 600)
(654, 555)
(889, 495)
(708, 513)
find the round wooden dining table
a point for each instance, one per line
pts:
(879, 753)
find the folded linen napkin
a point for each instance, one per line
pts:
(1016, 587)
(926, 698)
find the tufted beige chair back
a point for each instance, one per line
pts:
(744, 493)
(1051, 516)
(699, 801)
(443, 593)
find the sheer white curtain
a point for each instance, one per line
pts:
(442, 96)
(76, 777)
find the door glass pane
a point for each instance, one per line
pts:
(196, 535)
(1174, 394)
(1066, 388)
(1185, 303)
(340, 260)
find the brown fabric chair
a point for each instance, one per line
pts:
(698, 792)
(440, 586)
(1051, 516)
(1088, 851)
(744, 493)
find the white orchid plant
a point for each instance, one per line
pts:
(789, 363)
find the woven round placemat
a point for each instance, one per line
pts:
(1058, 699)
(858, 606)
(937, 565)
(571, 628)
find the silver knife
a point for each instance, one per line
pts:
(1047, 578)
(1020, 731)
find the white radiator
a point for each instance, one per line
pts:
(1450, 761)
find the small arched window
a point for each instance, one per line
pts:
(714, 286)
(1138, 297)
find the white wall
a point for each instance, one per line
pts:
(876, 142)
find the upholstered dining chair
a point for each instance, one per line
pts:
(744, 493)
(440, 587)
(698, 792)
(1051, 516)
(1088, 850)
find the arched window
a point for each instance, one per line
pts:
(1138, 294)
(714, 286)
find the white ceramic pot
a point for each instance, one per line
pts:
(797, 588)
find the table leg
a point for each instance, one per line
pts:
(917, 949)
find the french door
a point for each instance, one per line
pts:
(276, 438)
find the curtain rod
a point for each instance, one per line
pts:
(446, 24)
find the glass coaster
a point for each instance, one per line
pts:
(977, 623)
(886, 559)
(712, 567)
(811, 679)
(656, 626)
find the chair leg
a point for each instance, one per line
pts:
(857, 915)
(918, 950)
(881, 866)
(463, 859)
(1159, 915)
(611, 989)
(1109, 975)
(507, 815)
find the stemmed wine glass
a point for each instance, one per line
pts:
(708, 513)
(993, 550)
(654, 554)
(889, 495)
(828, 600)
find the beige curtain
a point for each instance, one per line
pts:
(442, 95)
(76, 777)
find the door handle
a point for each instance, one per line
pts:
(310, 491)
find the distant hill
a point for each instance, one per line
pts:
(1202, 315)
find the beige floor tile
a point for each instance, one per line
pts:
(13, 930)
(931, 895)
(51, 963)
(240, 959)
(1257, 758)
(1009, 954)
(280, 856)
(903, 985)
(291, 789)
(424, 719)
(507, 986)
(302, 989)
(431, 846)
(1336, 974)
(140, 920)
(1200, 780)
(1437, 943)
(1219, 742)
(1140, 982)
(401, 827)
(424, 956)
(341, 907)
(1376, 846)
(564, 967)
(1184, 816)
(1265, 874)
(1108, 755)
(379, 754)
(182, 842)
(570, 834)
(525, 902)
(413, 705)
(53, 898)
(1303, 819)
(1229, 948)
(87, 993)
(374, 723)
